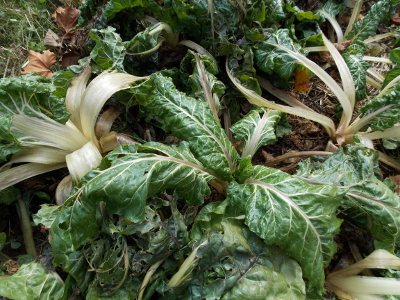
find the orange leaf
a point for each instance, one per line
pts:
(40, 63)
(301, 81)
(66, 18)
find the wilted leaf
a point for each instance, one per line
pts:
(66, 18)
(51, 39)
(40, 63)
(301, 81)
(70, 59)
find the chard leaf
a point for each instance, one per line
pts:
(191, 120)
(259, 130)
(390, 107)
(354, 172)
(288, 211)
(353, 56)
(2, 240)
(46, 215)
(9, 195)
(275, 12)
(332, 8)
(144, 40)
(31, 94)
(9, 144)
(395, 71)
(79, 269)
(391, 143)
(131, 178)
(273, 59)
(32, 282)
(109, 51)
(233, 263)
(379, 13)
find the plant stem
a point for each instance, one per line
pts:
(280, 158)
(26, 229)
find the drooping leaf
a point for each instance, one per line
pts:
(40, 63)
(353, 56)
(109, 51)
(270, 58)
(191, 120)
(288, 211)
(379, 13)
(233, 263)
(32, 282)
(354, 172)
(259, 130)
(144, 40)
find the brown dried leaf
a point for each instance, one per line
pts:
(40, 63)
(66, 18)
(301, 81)
(69, 59)
(342, 45)
(51, 39)
(396, 180)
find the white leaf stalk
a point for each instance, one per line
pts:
(334, 24)
(347, 285)
(51, 145)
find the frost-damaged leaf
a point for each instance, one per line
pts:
(40, 63)
(353, 56)
(191, 120)
(273, 59)
(259, 130)
(379, 13)
(288, 211)
(354, 172)
(234, 263)
(109, 51)
(32, 282)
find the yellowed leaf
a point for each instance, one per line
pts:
(40, 63)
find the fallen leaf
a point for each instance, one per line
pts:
(396, 180)
(66, 18)
(69, 59)
(342, 45)
(51, 39)
(395, 19)
(301, 81)
(40, 63)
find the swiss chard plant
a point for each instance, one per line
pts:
(200, 218)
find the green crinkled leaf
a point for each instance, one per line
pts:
(275, 12)
(300, 14)
(353, 56)
(144, 40)
(9, 143)
(46, 215)
(379, 13)
(79, 269)
(73, 226)
(31, 94)
(191, 120)
(233, 263)
(134, 177)
(288, 211)
(109, 51)
(61, 81)
(255, 11)
(9, 195)
(258, 130)
(270, 58)
(354, 172)
(203, 71)
(390, 116)
(395, 71)
(32, 282)
(332, 7)
(391, 143)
